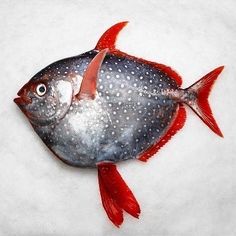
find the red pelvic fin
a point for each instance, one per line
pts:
(114, 212)
(201, 106)
(108, 39)
(115, 194)
(177, 124)
(89, 82)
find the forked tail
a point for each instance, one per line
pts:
(196, 96)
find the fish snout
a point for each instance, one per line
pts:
(23, 98)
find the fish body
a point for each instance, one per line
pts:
(105, 106)
(130, 113)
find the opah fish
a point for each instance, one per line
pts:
(105, 106)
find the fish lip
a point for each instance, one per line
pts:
(22, 100)
(18, 100)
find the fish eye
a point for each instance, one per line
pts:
(41, 89)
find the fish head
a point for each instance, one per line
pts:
(45, 99)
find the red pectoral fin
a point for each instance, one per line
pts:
(115, 194)
(108, 39)
(89, 82)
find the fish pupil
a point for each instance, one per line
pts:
(41, 89)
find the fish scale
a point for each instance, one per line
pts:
(105, 106)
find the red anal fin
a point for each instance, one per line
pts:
(177, 124)
(116, 195)
(89, 82)
(108, 39)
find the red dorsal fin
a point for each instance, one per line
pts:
(177, 124)
(116, 195)
(89, 82)
(108, 39)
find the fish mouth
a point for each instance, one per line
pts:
(22, 99)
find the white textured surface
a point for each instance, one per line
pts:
(189, 188)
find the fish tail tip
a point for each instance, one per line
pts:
(220, 134)
(201, 106)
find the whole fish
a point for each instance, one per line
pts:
(105, 106)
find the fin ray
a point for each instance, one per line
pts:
(201, 105)
(117, 190)
(108, 39)
(114, 212)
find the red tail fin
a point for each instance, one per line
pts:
(201, 106)
(116, 195)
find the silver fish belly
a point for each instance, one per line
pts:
(130, 113)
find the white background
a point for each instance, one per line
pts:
(189, 188)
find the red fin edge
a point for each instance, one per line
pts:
(177, 124)
(201, 106)
(166, 69)
(108, 40)
(115, 194)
